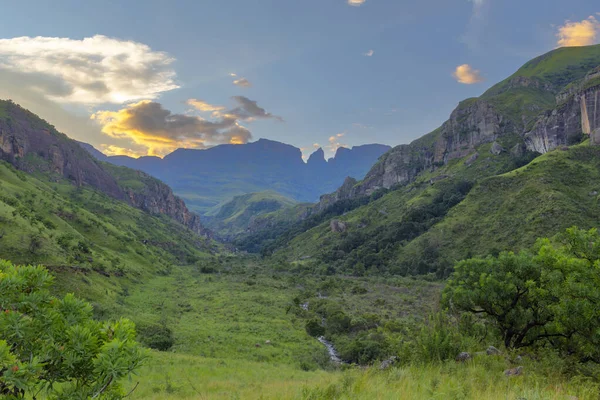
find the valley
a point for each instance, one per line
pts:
(463, 265)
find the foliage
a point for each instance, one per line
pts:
(52, 345)
(547, 297)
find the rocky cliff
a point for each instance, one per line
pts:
(548, 103)
(32, 145)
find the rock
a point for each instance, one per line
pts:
(518, 359)
(463, 357)
(471, 159)
(388, 363)
(593, 193)
(514, 371)
(257, 345)
(337, 226)
(564, 148)
(496, 149)
(517, 150)
(492, 351)
(267, 342)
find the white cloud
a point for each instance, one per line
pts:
(93, 70)
(467, 75)
(369, 53)
(356, 3)
(334, 142)
(242, 82)
(582, 33)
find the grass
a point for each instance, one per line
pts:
(176, 376)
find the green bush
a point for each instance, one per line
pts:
(157, 336)
(54, 346)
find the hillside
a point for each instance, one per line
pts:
(239, 214)
(438, 185)
(207, 179)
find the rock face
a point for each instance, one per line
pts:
(518, 112)
(31, 144)
(337, 226)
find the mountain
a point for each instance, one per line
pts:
(33, 145)
(209, 178)
(236, 216)
(61, 206)
(517, 163)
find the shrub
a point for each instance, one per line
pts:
(45, 341)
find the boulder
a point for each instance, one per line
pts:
(492, 351)
(471, 159)
(337, 226)
(496, 149)
(388, 363)
(514, 371)
(463, 357)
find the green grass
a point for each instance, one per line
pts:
(176, 376)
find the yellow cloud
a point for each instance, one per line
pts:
(334, 142)
(151, 127)
(583, 33)
(203, 106)
(467, 75)
(112, 150)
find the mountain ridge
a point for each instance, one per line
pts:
(208, 178)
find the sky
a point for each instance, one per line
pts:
(147, 77)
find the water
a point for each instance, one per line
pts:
(331, 350)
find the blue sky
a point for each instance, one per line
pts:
(307, 62)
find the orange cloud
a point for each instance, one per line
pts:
(112, 150)
(203, 106)
(467, 75)
(151, 127)
(334, 142)
(583, 33)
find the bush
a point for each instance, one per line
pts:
(157, 336)
(45, 341)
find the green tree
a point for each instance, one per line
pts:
(53, 346)
(550, 296)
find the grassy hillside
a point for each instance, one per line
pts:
(61, 225)
(236, 216)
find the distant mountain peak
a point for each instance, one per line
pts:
(317, 158)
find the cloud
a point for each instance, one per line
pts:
(112, 150)
(583, 33)
(243, 82)
(334, 142)
(156, 131)
(233, 75)
(248, 110)
(477, 23)
(93, 70)
(369, 53)
(467, 75)
(203, 106)
(356, 3)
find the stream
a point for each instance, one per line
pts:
(331, 350)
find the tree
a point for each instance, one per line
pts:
(550, 296)
(53, 346)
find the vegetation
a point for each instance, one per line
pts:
(548, 297)
(53, 347)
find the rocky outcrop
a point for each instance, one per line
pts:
(158, 198)
(31, 144)
(578, 114)
(337, 226)
(473, 122)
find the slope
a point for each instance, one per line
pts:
(236, 216)
(537, 110)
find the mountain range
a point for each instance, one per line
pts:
(206, 179)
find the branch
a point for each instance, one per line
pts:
(103, 388)
(131, 391)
